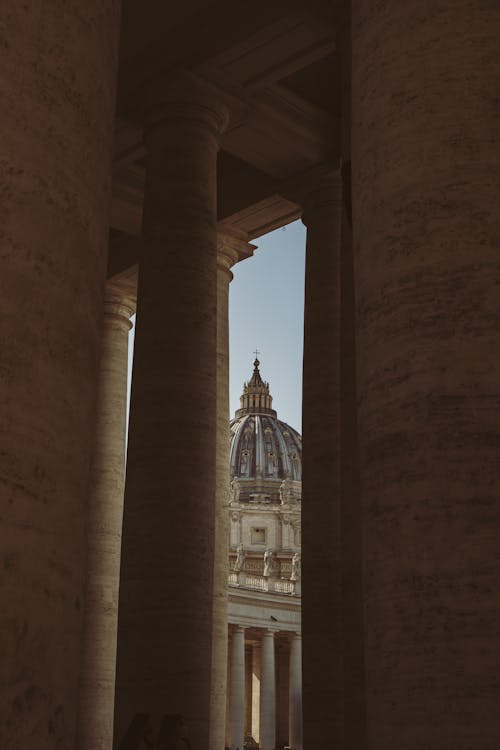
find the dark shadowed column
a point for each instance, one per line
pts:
(426, 170)
(350, 514)
(97, 691)
(231, 247)
(295, 693)
(55, 155)
(165, 610)
(322, 665)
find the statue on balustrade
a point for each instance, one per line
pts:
(296, 567)
(240, 558)
(269, 563)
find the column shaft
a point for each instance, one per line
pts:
(256, 657)
(426, 158)
(57, 129)
(354, 690)
(104, 526)
(219, 643)
(295, 693)
(237, 689)
(321, 603)
(267, 693)
(165, 631)
(231, 247)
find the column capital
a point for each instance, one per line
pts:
(325, 193)
(268, 632)
(232, 247)
(237, 628)
(118, 304)
(183, 97)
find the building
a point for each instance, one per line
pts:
(145, 147)
(264, 664)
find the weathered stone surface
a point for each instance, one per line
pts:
(55, 149)
(426, 168)
(267, 692)
(165, 623)
(230, 249)
(295, 693)
(97, 683)
(321, 616)
(236, 716)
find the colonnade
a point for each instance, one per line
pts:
(417, 585)
(253, 703)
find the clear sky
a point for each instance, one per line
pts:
(266, 311)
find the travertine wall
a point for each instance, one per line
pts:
(55, 152)
(426, 168)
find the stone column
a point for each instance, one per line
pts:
(104, 526)
(256, 657)
(231, 247)
(321, 604)
(167, 569)
(267, 692)
(426, 163)
(295, 693)
(237, 689)
(55, 184)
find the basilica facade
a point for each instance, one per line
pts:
(265, 655)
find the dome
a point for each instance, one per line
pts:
(265, 453)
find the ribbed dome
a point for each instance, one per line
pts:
(264, 450)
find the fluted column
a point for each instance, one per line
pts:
(167, 571)
(321, 603)
(237, 689)
(55, 186)
(231, 247)
(267, 692)
(104, 526)
(295, 693)
(425, 166)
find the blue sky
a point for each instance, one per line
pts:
(266, 311)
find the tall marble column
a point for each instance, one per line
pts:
(321, 602)
(425, 166)
(55, 185)
(237, 689)
(167, 565)
(104, 526)
(231, 247)
(295, 693)
(267, 692)
(256, 659)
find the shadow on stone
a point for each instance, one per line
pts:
(139, 735)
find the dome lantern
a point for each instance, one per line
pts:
(256, 398)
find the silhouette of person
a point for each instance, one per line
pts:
(173, 733)
(139, 735)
